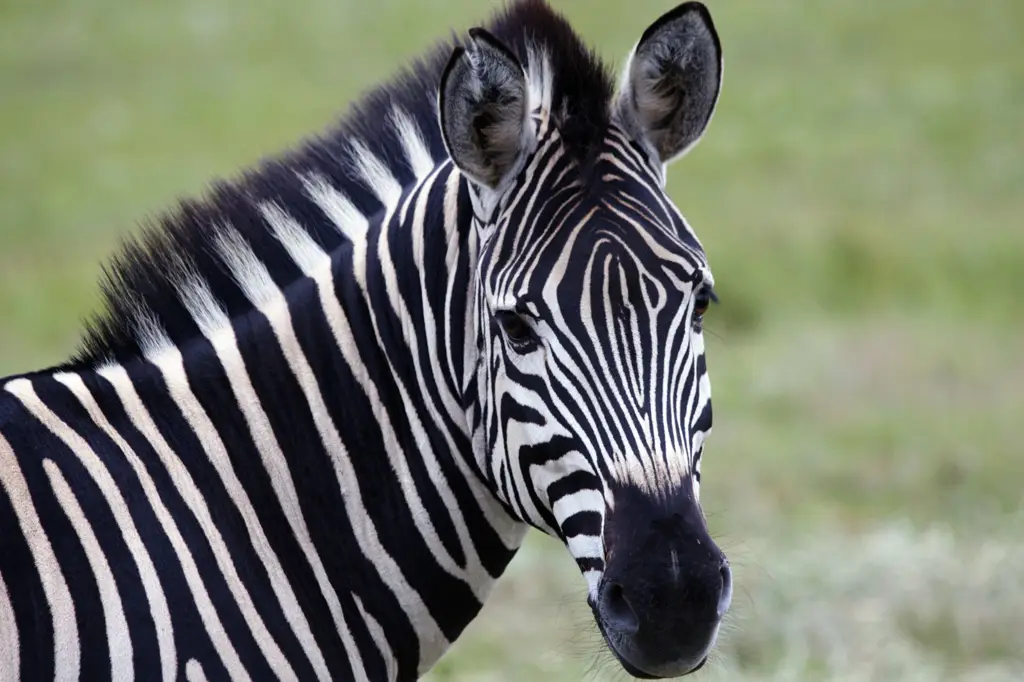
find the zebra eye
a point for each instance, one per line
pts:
(704, 297)
(701, 305)
(515, 327)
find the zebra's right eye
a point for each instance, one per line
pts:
(517, 329)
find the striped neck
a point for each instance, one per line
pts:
(328, 425)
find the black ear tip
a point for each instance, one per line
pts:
(457, 53)
(481, 36)
(692, 7)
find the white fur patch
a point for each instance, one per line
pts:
(201, 304)
(415, 148)
(248, 270)
(194, 671)
(585, 546)
(149, 334)
(376, 174)
(348, 219)
(306, 253)
(540, 81)
(582, 500)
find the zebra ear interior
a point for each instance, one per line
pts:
(482, 104)
(672, 80)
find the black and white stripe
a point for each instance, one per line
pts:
(302, 443)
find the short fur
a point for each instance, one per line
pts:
(141, 284)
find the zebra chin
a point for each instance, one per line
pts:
(637, 665)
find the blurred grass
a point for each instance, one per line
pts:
(860, 193)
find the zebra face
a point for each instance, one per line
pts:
(593, 398)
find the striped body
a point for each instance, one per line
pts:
(214, 491)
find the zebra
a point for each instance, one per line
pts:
(323, 402)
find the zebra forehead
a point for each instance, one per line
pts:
(635, 255)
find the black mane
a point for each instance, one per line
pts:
(140, 279)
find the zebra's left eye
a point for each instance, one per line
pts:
(517, 329)
(702, 301)
(701, 305)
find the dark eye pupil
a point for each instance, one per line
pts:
(515, 327)
(700, 306)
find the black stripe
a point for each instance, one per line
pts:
(21, 577)
(583, 523)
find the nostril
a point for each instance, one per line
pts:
(616, 611)
(726, 595)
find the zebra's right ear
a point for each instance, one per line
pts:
(672, 81)
(482, 104)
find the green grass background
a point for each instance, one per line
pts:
(860, 194)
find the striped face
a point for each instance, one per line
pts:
(593, 397)
(592, 373)
(595, 394)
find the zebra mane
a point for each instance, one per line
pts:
(141, 287)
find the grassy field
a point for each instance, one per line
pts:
(860, 193)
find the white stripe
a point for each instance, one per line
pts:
(379, 638)
(9, 652)
(348, 219)
(475, 575)
(540, 81)
(376, 174)
(172, 368)
(275, 309)
(412, 142)
(587, 499)
(194, 671)
(219, 332)
(249, 272)
(496, 516)
(206, 311)
(159, 610)
(150, 335)
(593, 578)
(301, 247)
(119, 640)
(140, 418)
(66, 646)
(585, 546)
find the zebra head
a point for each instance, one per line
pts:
(592, 400)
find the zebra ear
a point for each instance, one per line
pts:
(671, 82)
(482, 105)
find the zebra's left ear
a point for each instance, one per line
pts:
(671, 82)
(482, 103)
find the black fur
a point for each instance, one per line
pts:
(142, 275)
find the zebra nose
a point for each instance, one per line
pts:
(616, 611)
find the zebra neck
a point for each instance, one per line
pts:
(362, 368)
(319, 444)
(413, 281)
